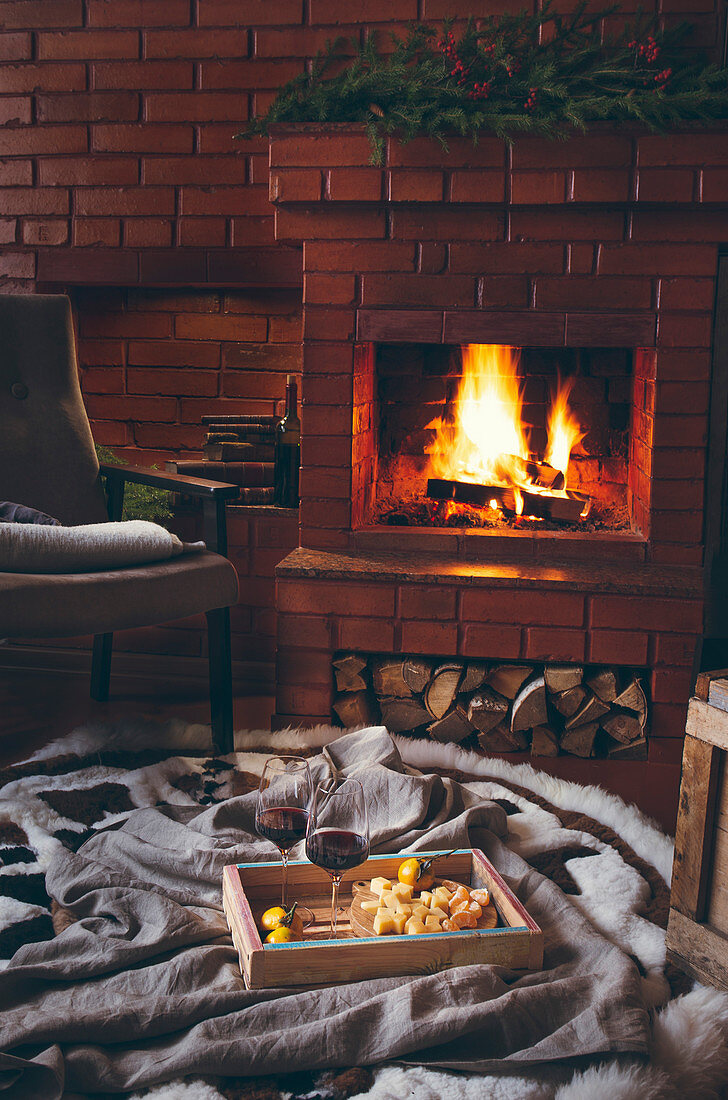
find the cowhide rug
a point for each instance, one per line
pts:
(606, 856)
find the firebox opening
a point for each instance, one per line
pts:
(503, 438)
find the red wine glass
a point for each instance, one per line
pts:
(281, 815)
(338, 833)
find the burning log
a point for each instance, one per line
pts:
(563, 505)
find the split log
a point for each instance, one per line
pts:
(580, 739)
(357, 708)
(503, 739)
(634, 698)
(562, 677)
(636, 750)
(604, 684)
(487, 708)
(452, 728)
(441, 691)
(544, 742)
(388, 680)
(529, 706)
(402, 714)
(590, 711)
(568, 702)
(416, 673)
(507, 679)
(348, 671)
(475, 674)
(623, 727)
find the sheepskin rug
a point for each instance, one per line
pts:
(610, 860)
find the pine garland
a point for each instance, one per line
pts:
(544, 74)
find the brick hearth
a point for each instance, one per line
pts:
(622, 251)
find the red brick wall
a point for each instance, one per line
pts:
(117, 117)
(601, 265)
(153, 362)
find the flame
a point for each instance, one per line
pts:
(564, 431)
(483, 439)
(479, 444)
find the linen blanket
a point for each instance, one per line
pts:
(47, 548)
(144, 986)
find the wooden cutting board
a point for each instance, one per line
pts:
(362, 922)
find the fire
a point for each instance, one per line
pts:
(486, 433)
(484, 441)
(564, 431)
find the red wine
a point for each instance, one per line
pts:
(283, 825)
(336, 850)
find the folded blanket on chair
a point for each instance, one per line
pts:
(36, 548)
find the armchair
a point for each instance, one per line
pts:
(48, 461)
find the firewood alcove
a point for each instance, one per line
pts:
(544, 709)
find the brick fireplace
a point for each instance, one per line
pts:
(602, 250)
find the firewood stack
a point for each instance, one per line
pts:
(544, 709)
(239, 450)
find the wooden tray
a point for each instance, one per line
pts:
(251, 888)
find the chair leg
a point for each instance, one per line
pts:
(221, 679)
(101, 667)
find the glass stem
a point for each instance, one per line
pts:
(284, 879)
(335, 880)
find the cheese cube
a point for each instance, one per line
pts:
(402, 891)
(442, 896)
(432, 924)
(390, 900)
(383, 923)
(370, 906)
(379, 885)
(404, 907)
(400, 922)
(414, 927)
(420, 911)
(437, 912)
(426, 898)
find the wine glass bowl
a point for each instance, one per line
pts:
(282, 810)
(338, 833)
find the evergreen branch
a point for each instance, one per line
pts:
(506, 76)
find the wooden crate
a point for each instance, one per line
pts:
(251, 888)
(697, 930)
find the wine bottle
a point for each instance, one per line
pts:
(288, 450)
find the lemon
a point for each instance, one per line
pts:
(281, 934)
(416, 873)
(278, 917)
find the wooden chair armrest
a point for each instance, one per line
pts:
(213, 494)
(164, 479)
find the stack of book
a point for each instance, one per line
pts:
(239, 450)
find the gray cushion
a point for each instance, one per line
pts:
(67, 605)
